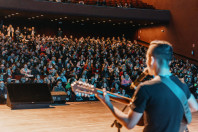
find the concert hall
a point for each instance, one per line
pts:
(98, 66)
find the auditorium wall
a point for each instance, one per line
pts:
(182, 31)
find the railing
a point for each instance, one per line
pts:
(111, 3)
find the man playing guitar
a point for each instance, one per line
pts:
(162, 109)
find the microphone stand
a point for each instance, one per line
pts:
(133, 86)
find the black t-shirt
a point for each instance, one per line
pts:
(162, 109)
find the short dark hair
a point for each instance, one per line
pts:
(161, 50)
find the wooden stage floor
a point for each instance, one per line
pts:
(74, 117)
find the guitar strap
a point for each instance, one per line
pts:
(179, 93)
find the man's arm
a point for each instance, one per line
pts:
(193, 103)
(128, 120)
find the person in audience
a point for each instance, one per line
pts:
(62, 78)
(38, 79)
(25, 70)
(3, 92)
(59, 87)
(10, 31)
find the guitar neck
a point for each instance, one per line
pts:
(116, 97)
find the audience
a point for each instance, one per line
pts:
(111, 63)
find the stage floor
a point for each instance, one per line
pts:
(74, 117)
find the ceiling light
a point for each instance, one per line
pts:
(12, 14)
(152, 23)
(94, 23)
(29, 18)
(77, 21)
(37, 16)
(119, 23)
(145, 24)
(131, 21)
(6, 17)
(82, 20)
(9, 15)
(17, 13)
(124, 22)
(138, 24)
(73, 22)
(33, 17)
(113, 24)
(56, 19)
(65, 17)
(104, 21)
(98, 22)
(133, 25)
(109, 20)
(52, 20)
(87, 19)
(61, 18)
(42, 15)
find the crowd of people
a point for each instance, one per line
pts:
(111, 63)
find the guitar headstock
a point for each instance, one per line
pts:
(83, 89)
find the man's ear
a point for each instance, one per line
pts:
(152, 60)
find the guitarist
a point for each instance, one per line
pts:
(163, 110)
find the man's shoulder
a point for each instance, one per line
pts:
(150, 83)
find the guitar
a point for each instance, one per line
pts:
(86, 90)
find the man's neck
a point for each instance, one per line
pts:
(165, 71)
